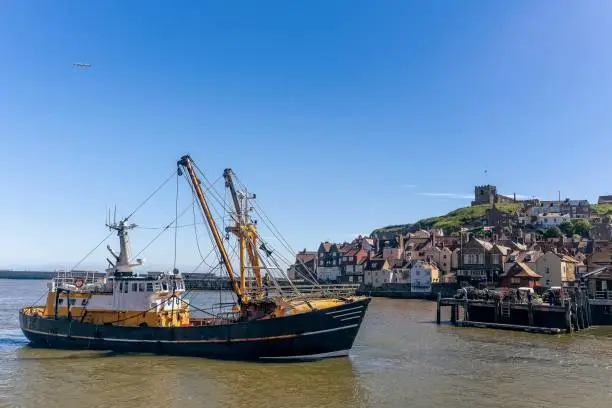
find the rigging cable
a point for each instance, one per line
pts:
(210, 188)
(151, 195)
(278, 235)
(90, 252)
(162, 231)
(176, 219)
(111, 233)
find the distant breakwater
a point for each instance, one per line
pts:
(192, 282)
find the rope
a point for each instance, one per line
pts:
(199, 309)
(176, 219)
(151, 195)
(277, 234)
(92, 251)
(38, 300)
(162, 227)
(160, 233)
(195, 232)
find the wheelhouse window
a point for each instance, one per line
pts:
(141, 287)
(149, 287)
(134, 287)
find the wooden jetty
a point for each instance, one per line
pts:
(530, 317)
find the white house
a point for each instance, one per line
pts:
(422, 275)
(556, 269)
(549, 220)
(377, 272)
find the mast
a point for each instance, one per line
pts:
(122, 265)
(244, 230)
(187, 163)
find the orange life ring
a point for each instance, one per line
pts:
(78, 282)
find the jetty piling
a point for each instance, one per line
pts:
(573, 314)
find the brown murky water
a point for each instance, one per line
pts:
(400, 359)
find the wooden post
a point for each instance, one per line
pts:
(496, 311)
(530, 313)
(574, 309)
(438, 308)
(466, 313)
(589, 317)
(568, 319)
(454, 314)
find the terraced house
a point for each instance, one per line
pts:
(481, 262)
(556, 269)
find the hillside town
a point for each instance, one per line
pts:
(536, 244)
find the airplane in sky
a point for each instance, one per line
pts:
(79, 65)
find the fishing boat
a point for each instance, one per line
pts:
(127, 312)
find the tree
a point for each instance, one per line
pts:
(567, 228)
(552, 232)
(540, 233)
(581, 226)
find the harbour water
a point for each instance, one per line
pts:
(400, 359)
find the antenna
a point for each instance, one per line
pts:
(115, 215)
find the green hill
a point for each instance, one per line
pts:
(466, 216)
(602, 209)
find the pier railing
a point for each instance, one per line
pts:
(602, 294)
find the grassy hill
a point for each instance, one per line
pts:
(466, 216)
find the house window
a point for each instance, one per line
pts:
(547, 270)
(320, 262)
(495, 259)
(515, 281)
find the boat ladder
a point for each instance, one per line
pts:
(505, 310)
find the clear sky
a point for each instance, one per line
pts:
(342, 116)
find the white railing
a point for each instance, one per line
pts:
(602, 294)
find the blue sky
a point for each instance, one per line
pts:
(342, 116)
